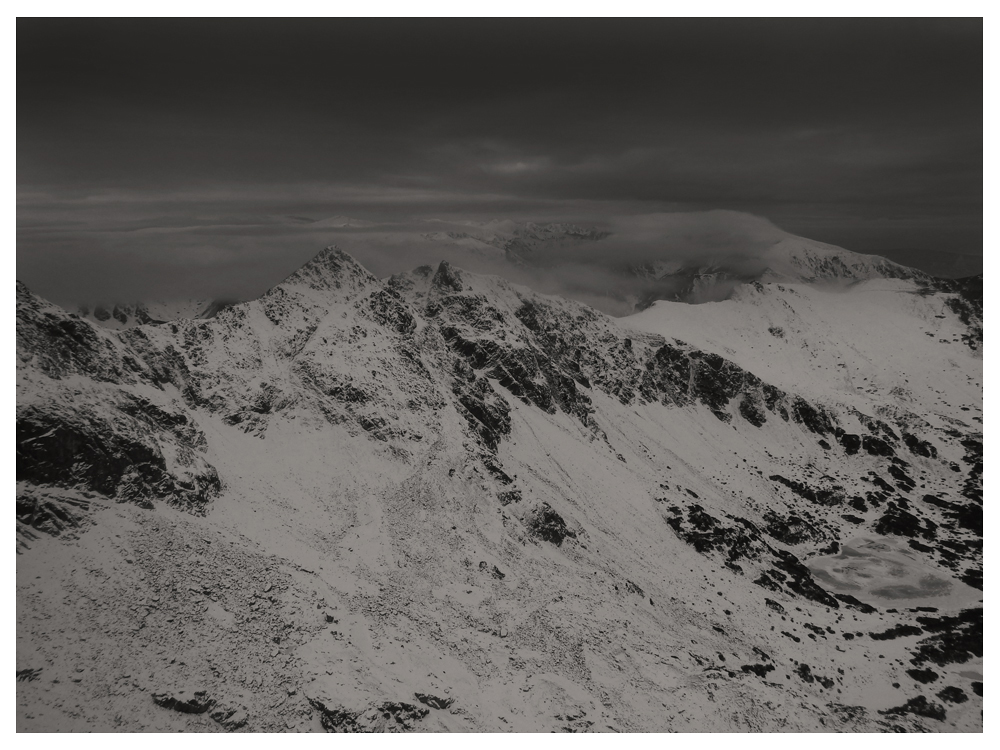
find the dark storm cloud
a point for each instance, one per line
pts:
(134, 136)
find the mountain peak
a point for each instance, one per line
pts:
(331, 268)
(447, 277)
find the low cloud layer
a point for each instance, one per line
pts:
(199, 157)
(113, 250)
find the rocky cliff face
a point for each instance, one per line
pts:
(328, 502)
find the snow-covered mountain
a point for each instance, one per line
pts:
(119, 315)
(626, 263)
(441, 501)
(789, 260)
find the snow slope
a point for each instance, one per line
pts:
(442, 502)
(878, 344)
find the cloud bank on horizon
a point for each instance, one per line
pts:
(200, 157)
(113, 250)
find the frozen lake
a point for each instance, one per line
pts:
(886, 572)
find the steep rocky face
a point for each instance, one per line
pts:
(93, 414)
(966, 301)
(446, 468)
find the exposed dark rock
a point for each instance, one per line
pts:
(851, 443)
(847, 713)
(801, 581)
(902, 478)
(185, 701)
(760, 670)
(121, 459)
(705, 533)
(433, 701)
(805, 673)
(821, 496)
(743, 540)
(634, 588)
(60, 344)
(924, 676)
(853, 603)
(814, 418)
(492, 464)
(791, 529)
(899, 522)
(751, 411)
(876, 446)
(964, 515)
(919, 447)
(388, 716)
(447, 278)
(526, 373)
(486, 411)
(973, 487)
(549, 526)
(896, 631)
(49, 513)
(230, 718)
(973, 577)
(970, 516)
(955, 639)
(918, 706)
(386, 308)
(952, 694)
(509, 496)
(967, 304)
(881, 483)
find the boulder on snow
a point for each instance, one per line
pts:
(186, 701)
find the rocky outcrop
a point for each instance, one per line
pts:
(387, 716)
(193, 701)
(119, 456)
(918, 706)
(433, 701)
(185, 701)
(965, 301)
(741, 545)
(549, 526)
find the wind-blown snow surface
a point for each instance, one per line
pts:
(443, 502)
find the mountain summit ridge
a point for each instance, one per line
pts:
(530, 513)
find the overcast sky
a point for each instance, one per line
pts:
(175, 157)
